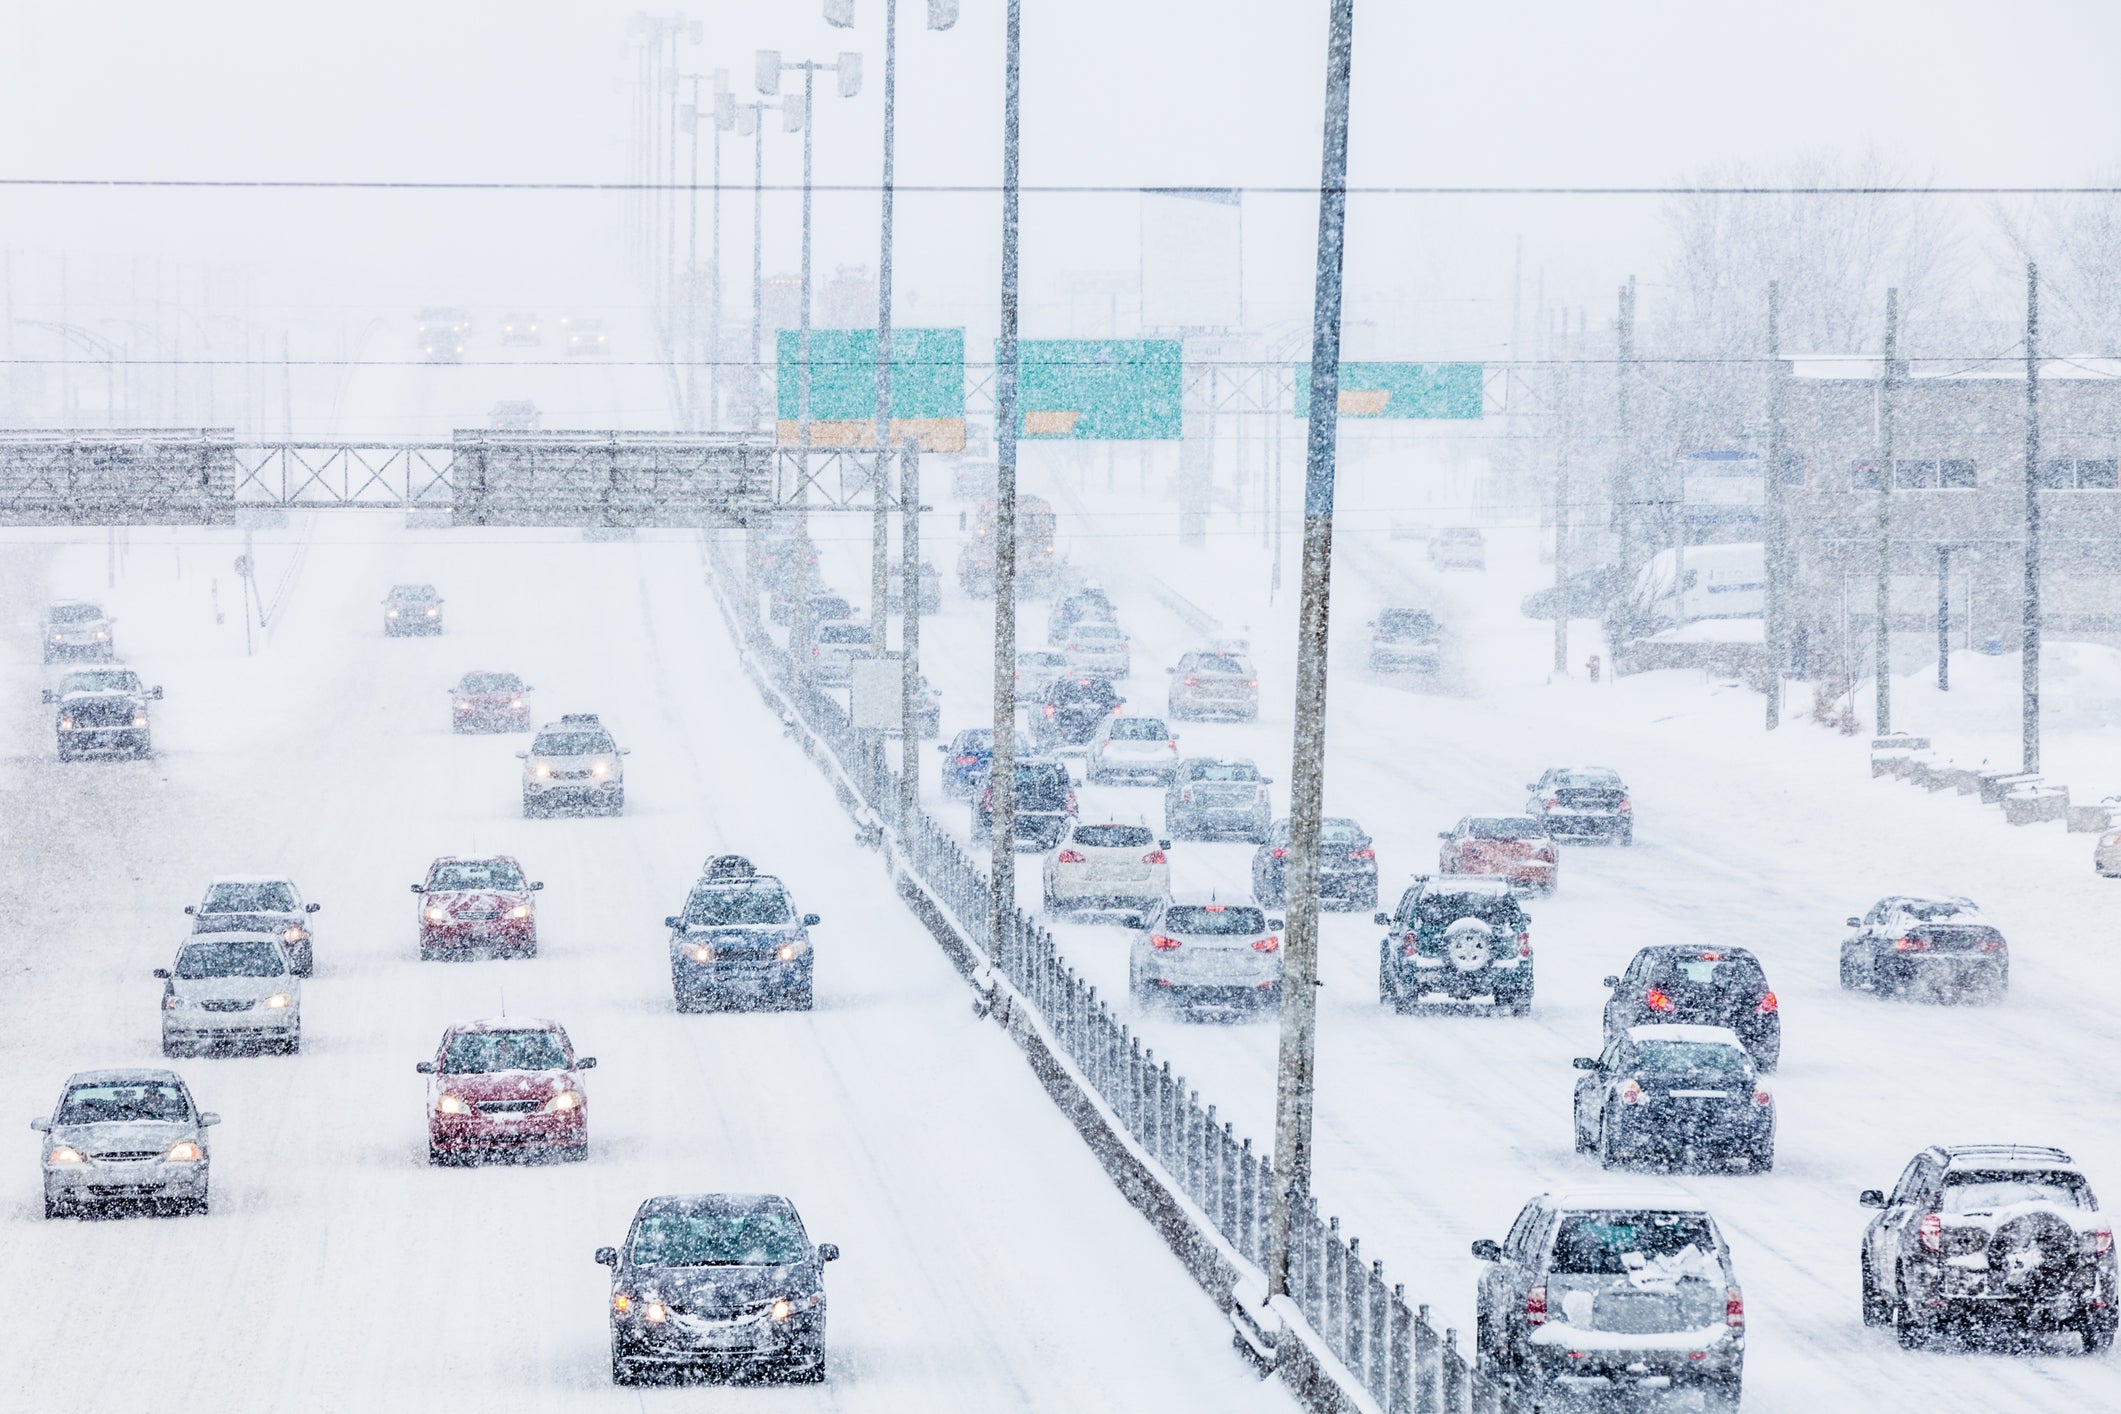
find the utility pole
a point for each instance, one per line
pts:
(1002, 777)
(1624, 461)
(1944, 618)
(691, 400)
(880, 525)
(1778, 569)
(2030, 655)
(1884, 633)
(909, 539)
(1299, 1000)
(724, 120)
(1561, 526)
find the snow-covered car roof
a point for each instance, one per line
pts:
(2005, 1156)
(1959, 906)
(732, 884)
(127, 1075)
(1492, 885)
(1213, 898)
(505, 1023)
(250, 879)
(473, 859)
(1687, 1031)
(1618, 1196)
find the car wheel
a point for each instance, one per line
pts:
(1762, 1159)
(1879, 982)
(2097, 1331)
(171, 1048)
(1851, 975)
(1627, 836)
(1608, 1155)
(1876, 1312)
(1720, 1397)
(811, 1370)
(575, 1153)
(53, 1208)
(1909, 1329)
(66, 753)
(530, 806)
(528, 950)
(428, 954)
(623, 1371)
(291, 1046)
(801, 998)
(1518, 1006)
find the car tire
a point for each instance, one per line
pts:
(428, 954)
(574, 1153)
(527, 951)
(66, 753)
(171, 1049)
(2097, 1332)
(1909, 1329)
(810, 1371)
(624, 1372)
(1518, 1006)
(803, 998)
(1608, 1155)
(1720, 1397)
(530, 806)
(1761, 1160)
(291, 1045)
(53, 1208)
(1851, 976)
(1876, 1310)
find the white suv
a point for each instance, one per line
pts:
(232, 989)
(1107, 866)
(74, 628)
(573, 764)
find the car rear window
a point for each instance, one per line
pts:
(1593, 780)
(1042, 787)
(843, 633)
(1225, 771)
(123, 1102)
(1506, 827)
(572, 744)
(1096, 630)
(249, 898)
(1140, 729)
(1682, 1056)
(1737, 974)
(724, 908)
(1932, 910)
(749, 1238)
(197, 960)
(1614, 1243)
(1985, 1190)
(1073, 692)
(1215, 918)
(475, 874)
(1337, 831)
(1406, 621)
(1215, 663)
(1113, 836)
(478, 1052)
(1498, 911)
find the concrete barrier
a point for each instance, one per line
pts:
(2036, 804)
(2089, 819)
(1997, 784)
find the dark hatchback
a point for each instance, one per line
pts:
(1073, 709)
(724, 1282)
(1045, 803)
(1583, 802)
(1704, 986)
(1677, 1094)
(1347, 866)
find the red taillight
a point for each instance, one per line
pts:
(1162, 943)
(1049, 709)
(813, 650)
(1412, 944)
(1656, 1000)
(1215, 907)
(1069, 856)
(1911, 945)
(1931, 1231)
(1071, 802)
(1535, 1306)
(1734, 1308)
(1186, 796)
(1993, 945)
(1267, 945)
(1553, 802)
(1172, 745)
(1362, 854)
(1278, 852)
(986, 798)
(1712, 957)
(968, 761)
(1190, 682)
(1625, 807)
(1524, 944)
(1768, 1005)
(1253, 683)
(1545, 854)
(1630, 1093)
(1761, 1097)
(2100, 1240)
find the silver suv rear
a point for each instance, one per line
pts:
(574, 765)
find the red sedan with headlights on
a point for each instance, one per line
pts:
(473, 906)
(509, 1086)
(489, 702)
(1513, 847)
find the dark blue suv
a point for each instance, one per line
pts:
(969, 756)
(740, 940)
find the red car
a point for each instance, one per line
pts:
(507, 1086)
(491, 702)
(469, 906)
(1513, 847)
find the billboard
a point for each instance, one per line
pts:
(1404, 390)
(927, 387)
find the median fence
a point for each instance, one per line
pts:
(1343, 1338)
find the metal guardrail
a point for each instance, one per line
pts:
(1390, 1352)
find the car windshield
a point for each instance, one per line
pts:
(722, 908)
(231, 959)
(1042, 660)
(1215, 663)
(1225, 771)
(1654, 1057)
(1985, 1190)
(490, 682)
(412, 591)
(476, 1052)
(122, 1101)
(1215, 918)
(1737, 974)
(1139, 729)
(108, 680)
(1440, 910)
(752, 1237)
(843, 633)
(1595, 780)
(1096, 630)
(75, 613)
(271, 896)
(572, 744)
(1615, 1243)
(1406, 621)
(1041, 787)
(1113, 836)
(474, 874)
(1505, 827)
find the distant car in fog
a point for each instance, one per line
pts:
(520, 327)
(1214, 682)
(125, 1136)
(1112, 864)
(1514, 847)
(1458, 547)
(411, 608)
(231, 990)
(489, 701)
(444, 334)
(1097, 649)
(1132, 749)
(506, 1086)
(1090, 603)
(1071, 710)
(930, 581)
(1347, 866)
(102, 710)
(1209, 797)
(1590, 594)
(1583, 802)
(834, 647)
(75, 628)
(477, 905)
(1941, 947)
(259, 903)
(1405, 641)
(586, 338)
(1045, 804)
(574, 765)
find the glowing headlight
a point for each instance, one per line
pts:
(139, 719)
(600, 768)
(56, 638)
(431, 612)
(438, 915)
(562, 1102)
(541, 770)
(292, 935)
(393, 613)
(782, 1309)
(518, 702)
(101, 634)
(653, 1313)
(184, 1151)
(463, 706)
(451, 1105)
(788, 952)
(621, 1302)
(277, 1001)
(66, 724)
(66, 1154)
(169, 1003)
(699, 952)
(521, 910)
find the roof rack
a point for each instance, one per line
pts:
(2042, 1152)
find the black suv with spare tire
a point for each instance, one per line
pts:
(1456, 939)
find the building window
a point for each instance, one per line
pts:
(1917, 474)
(1956, 474)
(1865, 476)
(2080, 474)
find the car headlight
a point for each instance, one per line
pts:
(66, 724)
(790, 951)
(521, 910)
(782, 1308)
(101, 634)
(463, 706)
(169, 1002)
(654, 1312)
(293, 934)
(139, 719)
(438, 915)
(184, 1151)
(66, 1154)
(518, 702)
(541, 770)
(393, 613)
(600, 768)
(564, 1101)
(432, 612)
(699, 952)
(278, 1001)
(450, 1105)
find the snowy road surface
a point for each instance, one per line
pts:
(989, 1264)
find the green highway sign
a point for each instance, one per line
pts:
(1108, 390)
(1410, 390)
(927, 386)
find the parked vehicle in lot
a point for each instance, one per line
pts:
(1613, 1299)
(1940, 947)
(1045, 805)
(1132, 749)
(411, 608)
(125, 1136)
(103, 710)
(1036, 671)
(1676, 1093)
(717, 1281)
(1198, 950)
(1456, 940)
(1588, 593)
(1097, 649)
(574, 765)
(259, 903)
(929, 581)
(1583, 802)
(1680, 982)
(75, 628)
(1209, 797)
(470, 906)
(509, 1085)
(489, 702)
(1109, 865)
(739, 939)
(969, 756)
(834, 647)
(2003, 1239)
(1513, 847)
(1458, 547)
(1218, 682)
(232, 990)
(1347, 866)
(1405, 641)
(1072, 710)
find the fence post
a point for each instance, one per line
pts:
(1355, 1337)
(1426, 1365)
(1454, 1373)
(1377, 1316)
(1399, 1393)
(1262, 1196)
(1229, 1186)
(1315, 1269)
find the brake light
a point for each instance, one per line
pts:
(1154, 856)
(1553, 802)
(1626, 808)
(1734, 1308)
(1267, 945)
(1162, 943)
(1253, 683)
(1656, 1000)
(1992, 945)
(1712, 957)
(986, 798)
(1535, 1306)
(1049, 709)
(1190, 682)
(1172, 745)
(1761, 1097)
(1931, 1231)
(1911, 945)
(1524, 944)
(1362, 854)
(2100, 1240)
(1278, 852)
(1069, 856)
(1216, 907)
(1630, 1092)
(1412, 944)
(1768, 1005)
(1545, 854)
(1186, 796)
(968, 761)
(1071, 802)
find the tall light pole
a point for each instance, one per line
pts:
(1299, 994)
(848, 68)
(1002, 774)
(1883, 666)
(723, 117)
(2029, 663)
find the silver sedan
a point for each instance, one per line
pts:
(125, 1136)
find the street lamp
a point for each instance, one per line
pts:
(723, 116)
(770, 67)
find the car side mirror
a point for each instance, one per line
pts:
(1275, 925)
(42, 1123)
(1531, 785)
(1585, 1062)
(1871, 1198)
(1382, 920)
(208, 1119)
(811, 920)
(1172, 671)
(673, 921)
(625, 751)
(311, 907)
(424, 1067)
(1487, 1249)
(416, 888)
(522, 756)
(586, 1063)
(155, 692)
(1609, 982)
(1163, 844)
(162, 973)
(828, 1251)
(943, 746)
(1443, 834)
(1855, 923)
(190, 909)
(607, 1256)
(536, 884)
(50, 696)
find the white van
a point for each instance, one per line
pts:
(1702, 582)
